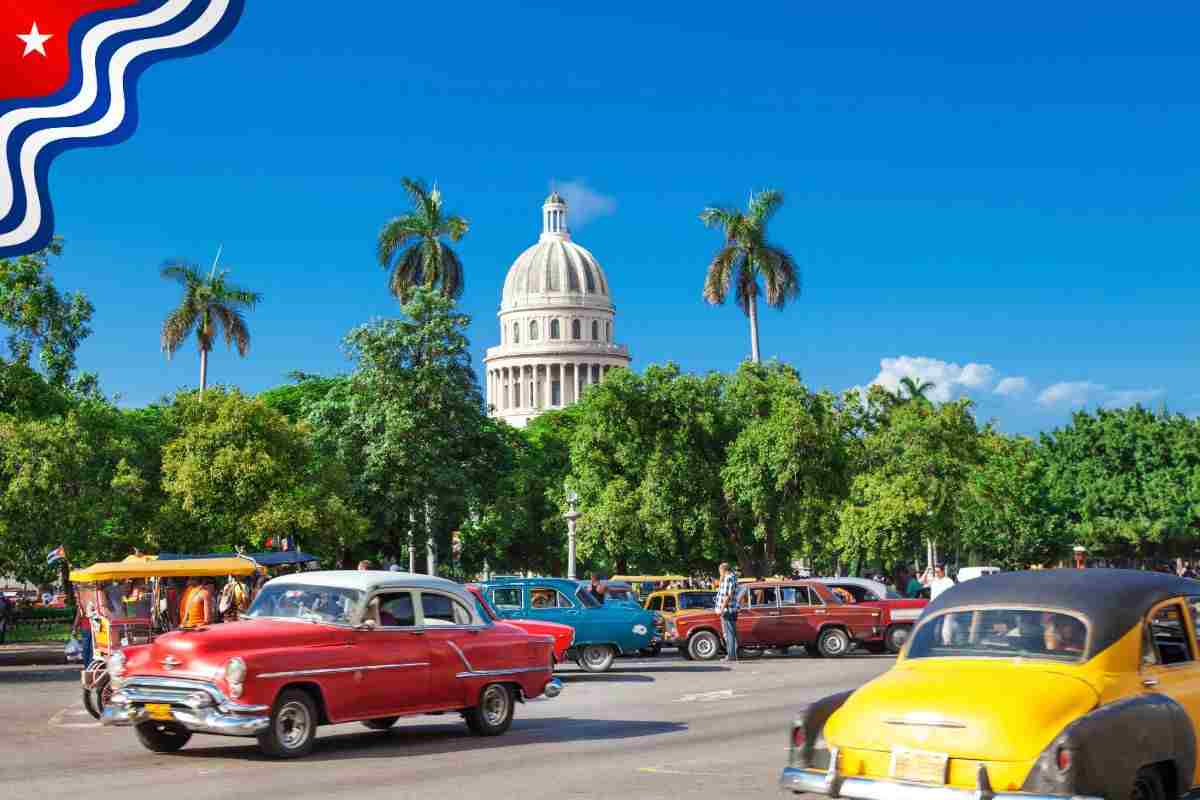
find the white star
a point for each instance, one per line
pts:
(35, 42)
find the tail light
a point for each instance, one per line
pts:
(799, 737)
(1065, 758)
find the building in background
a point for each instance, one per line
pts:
(556, 326)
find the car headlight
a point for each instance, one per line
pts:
(235, 676)
(639, 629)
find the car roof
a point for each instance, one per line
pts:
(1112, 600)
(866, 583)
(561, 583)
(368, 580)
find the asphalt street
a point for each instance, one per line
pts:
(652, 728)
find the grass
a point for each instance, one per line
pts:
(27, 634)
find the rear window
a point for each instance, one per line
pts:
(1001, 633)
(705, 600)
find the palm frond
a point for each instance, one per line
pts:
(416, 191)
(186, 274)
(716, 217)
(764, 204)
(720, 271)
(456, 227)
(745, 282)
(177, 327)
(394, 235)
(233, 326)
(407, 273)
(452, 273)
(781, 277)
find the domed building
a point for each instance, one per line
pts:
(556, 326)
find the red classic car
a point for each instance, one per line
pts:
(564, 635)
(328, 647)
(899, 613)
(776, 615)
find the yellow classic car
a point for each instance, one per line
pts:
(1044, 684)
(670, 602)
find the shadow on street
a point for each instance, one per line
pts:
(425, 740)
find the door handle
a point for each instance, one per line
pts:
(418, 632)
(819, 611)
(1150, 682)
(773, 614)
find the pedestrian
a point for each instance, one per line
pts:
(727, 607)
(940, 582)
(364, 566)
(598, 588)
(5, 614)
(197, 607)
(82, 626)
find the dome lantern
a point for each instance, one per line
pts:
(554, 218)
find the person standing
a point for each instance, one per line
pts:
(940, 582)
(5, 614)
(727, 607)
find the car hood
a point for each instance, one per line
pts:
(203, 651)
(993, 710)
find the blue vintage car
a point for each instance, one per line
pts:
(602, 632)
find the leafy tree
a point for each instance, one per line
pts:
(746, 257)
(410, 246)
(1127, 480)
(40, 319)
(208, 304)
(909, 481)
(914, 389)
(409, 426)
(1008, 516)
(295, 399)
(239, 472)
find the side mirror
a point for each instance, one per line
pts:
(365, 625)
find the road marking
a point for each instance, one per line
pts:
(57, 721)
(708, 697)
(660, 771)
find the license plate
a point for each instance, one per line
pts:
(919, 766)
(160, 711)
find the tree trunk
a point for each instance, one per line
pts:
(754, 330)
(203, 370)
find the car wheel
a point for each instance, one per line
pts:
(293, 726)
(380, 723)
(597, 658)
(163, 737)
(100, 693)
(704, 646)
(494, 713)
(897, 635)
(1148, 785)
(87, 704)
(833, 643)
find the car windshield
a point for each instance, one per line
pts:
(485, 608)
(317, 603)
(1001, 633)
(690, 600)
(892, 594)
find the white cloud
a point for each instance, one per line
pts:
(1012, 386)
(1079, 393)
(584, 203)
(948, 379)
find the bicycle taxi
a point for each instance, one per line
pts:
(133, 601)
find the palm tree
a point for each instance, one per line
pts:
(916, 389)
(747, 256)
(208, 303)
(411, 245)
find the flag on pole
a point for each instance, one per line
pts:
(56, 555)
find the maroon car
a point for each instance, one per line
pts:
(776, 615)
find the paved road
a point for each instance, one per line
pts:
(655, 728)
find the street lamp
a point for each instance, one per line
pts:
(571, 516)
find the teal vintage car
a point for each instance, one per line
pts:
(602, 632)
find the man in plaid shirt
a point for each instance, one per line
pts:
(727, 607)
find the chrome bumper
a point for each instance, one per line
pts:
(829, 783)
(197, 706)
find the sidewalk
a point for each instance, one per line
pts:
(31, 654)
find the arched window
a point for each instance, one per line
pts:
(554, 334)
(533, 332)
(576, 329)
(595, 331)
(608, 331)
(516, 337)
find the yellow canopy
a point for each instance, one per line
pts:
(648, 578)
(183, 568)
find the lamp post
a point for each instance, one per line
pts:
(571, 516)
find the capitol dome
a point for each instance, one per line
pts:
(556, 325)
(555, 269)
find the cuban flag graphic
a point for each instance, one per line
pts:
(56, 555)
(68, 78)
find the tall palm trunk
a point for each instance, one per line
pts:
(754, 329)
(203, 370)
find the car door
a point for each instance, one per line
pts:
(395, 669)
(548, 604)
(456, 646)
(795, 616)
(1170, 659)
(755, 616)
(669, 609)
(508, 601)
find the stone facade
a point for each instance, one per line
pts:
(556, 326)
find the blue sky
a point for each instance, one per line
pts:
(1011, 188)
